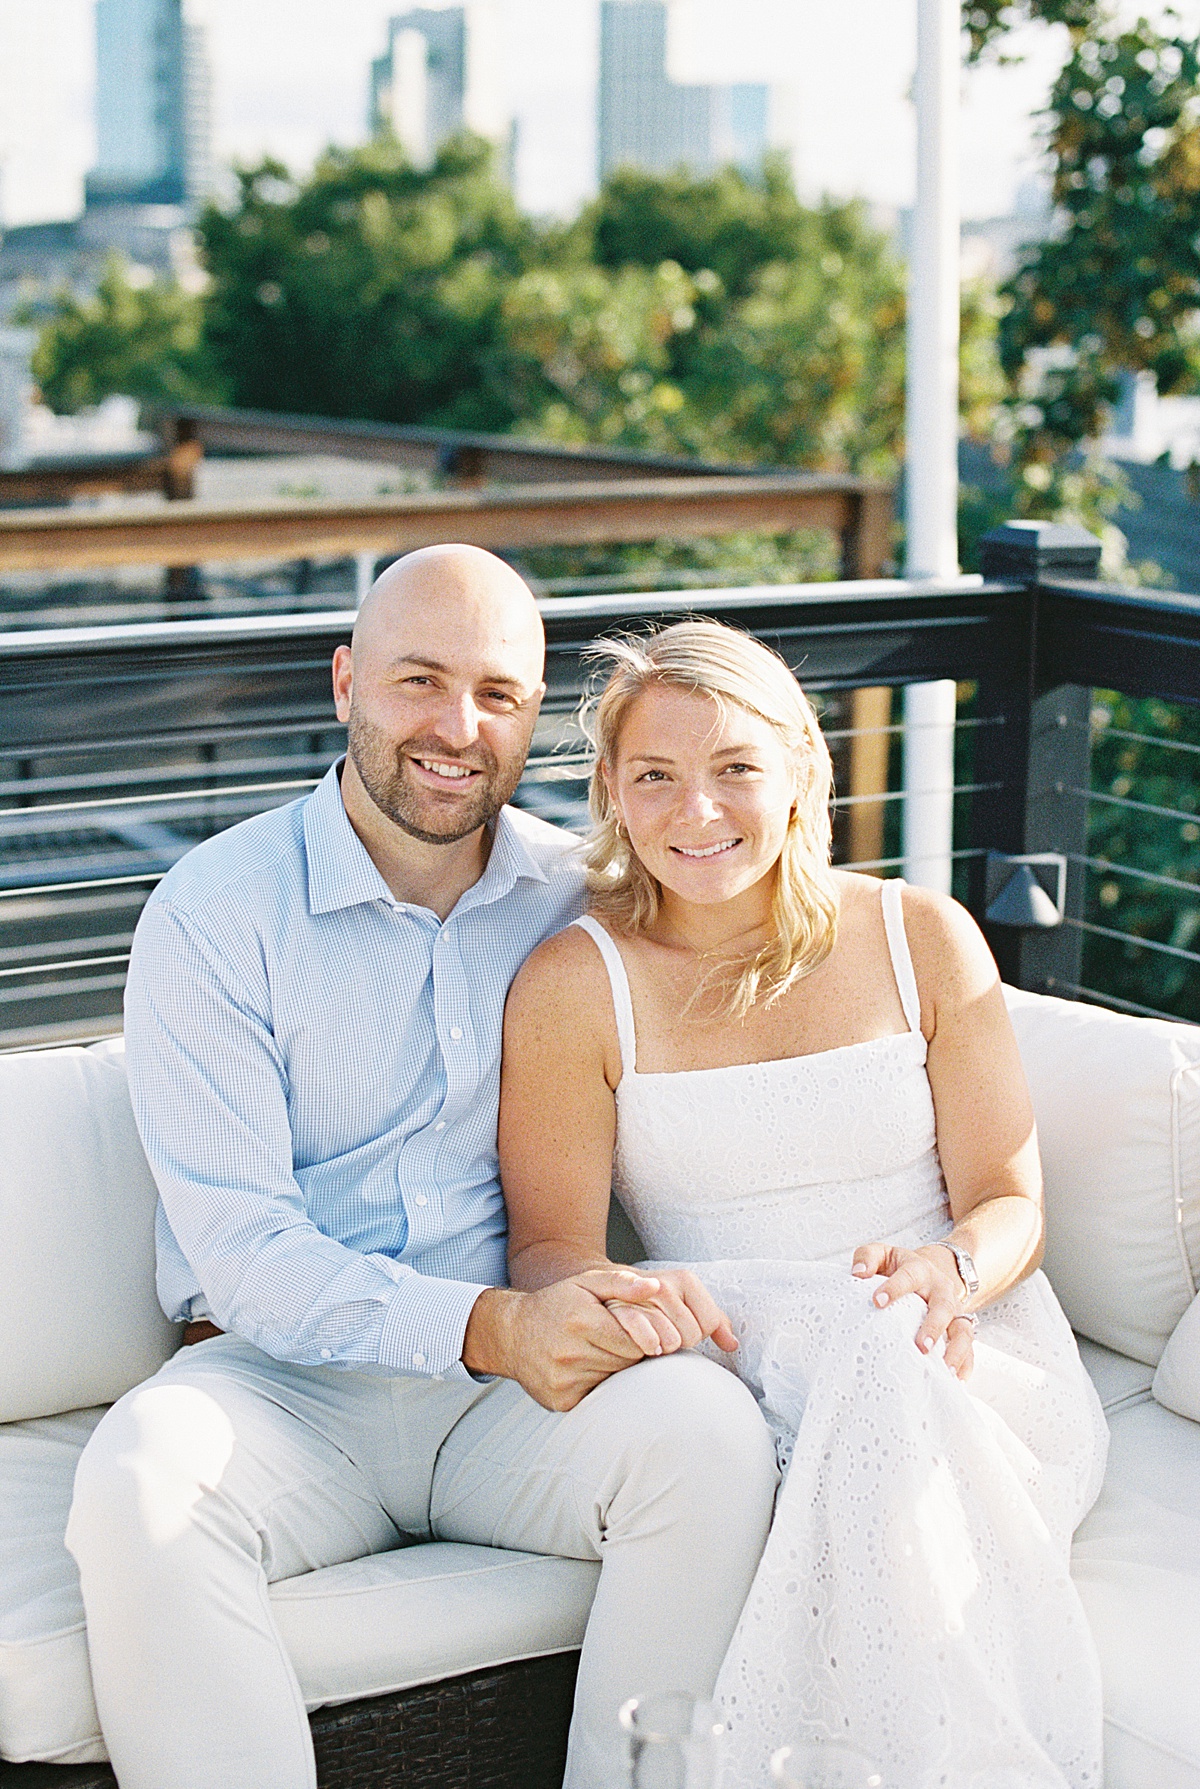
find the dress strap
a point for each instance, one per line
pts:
(902, 965)
(619, 981)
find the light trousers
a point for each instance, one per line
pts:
(229, 1470)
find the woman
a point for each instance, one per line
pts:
(812, 1095)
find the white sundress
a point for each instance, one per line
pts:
(914, 1597)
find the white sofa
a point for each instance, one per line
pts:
(1118, 1104)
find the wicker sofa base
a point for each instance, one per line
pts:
(502, 1728)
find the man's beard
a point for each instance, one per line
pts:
(382, 768)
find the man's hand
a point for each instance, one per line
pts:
(561, 1341)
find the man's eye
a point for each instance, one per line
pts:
(505, 698)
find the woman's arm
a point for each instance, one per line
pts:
(986, 1136)
(558, 1122)
(558, 1115)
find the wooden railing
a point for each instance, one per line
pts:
(859, 511)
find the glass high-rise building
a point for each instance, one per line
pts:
(645, 120)
(153, 106)
(418, 85)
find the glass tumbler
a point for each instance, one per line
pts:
(674, 1741)
(817, 1764)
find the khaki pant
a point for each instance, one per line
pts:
(229, 1470)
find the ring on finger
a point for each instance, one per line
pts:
(965, 1317)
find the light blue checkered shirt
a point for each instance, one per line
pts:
(315, 1074)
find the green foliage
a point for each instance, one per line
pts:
(371, 289)
(1116, 289)
(729, 223)
(805, 367)
(987, 22)
(142, 340)
(1135, 754)
(737, 559)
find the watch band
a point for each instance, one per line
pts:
(966, 1268)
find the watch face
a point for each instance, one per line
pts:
(966, 1269)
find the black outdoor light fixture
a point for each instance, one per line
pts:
(1026, 891)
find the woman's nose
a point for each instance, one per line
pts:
(698, 804)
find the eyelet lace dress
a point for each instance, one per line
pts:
(914, 1597)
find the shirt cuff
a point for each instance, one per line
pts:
(425, 1324)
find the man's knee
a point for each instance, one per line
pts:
(145, 1471)
(691, 1427)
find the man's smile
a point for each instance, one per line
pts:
(446, 770)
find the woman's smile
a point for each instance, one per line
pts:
(704, 851)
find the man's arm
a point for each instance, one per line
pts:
(209, 1090)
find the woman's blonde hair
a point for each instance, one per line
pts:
(708, 658)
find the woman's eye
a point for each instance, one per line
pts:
(741, 768)
(651, 776)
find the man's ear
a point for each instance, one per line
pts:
(343, 681)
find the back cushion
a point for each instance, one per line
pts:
(1118, 1112)
(79, 1319)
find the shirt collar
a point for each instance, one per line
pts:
(341, 874)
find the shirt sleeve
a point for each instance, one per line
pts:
(210, 1095)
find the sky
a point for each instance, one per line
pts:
(291, 75)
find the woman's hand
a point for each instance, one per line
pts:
(681, 1314)
(932, 1273)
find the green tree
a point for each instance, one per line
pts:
(988, 22)
(801, 365)
(144, 340)
(1116, 289)
(729, 222)
(371, 289)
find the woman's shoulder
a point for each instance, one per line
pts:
(951, 958)
(560, 1004)
(565, 970)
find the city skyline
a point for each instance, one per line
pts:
(289, 91)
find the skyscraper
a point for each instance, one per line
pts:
(153, 106)
(645, 120)
(418, 85)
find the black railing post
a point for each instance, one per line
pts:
(1041, 752)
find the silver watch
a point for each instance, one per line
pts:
(966, 1268)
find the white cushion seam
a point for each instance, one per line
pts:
(1156, 1745)
(470, 1572)
(1177, 1174)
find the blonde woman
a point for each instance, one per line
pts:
(805, 1089)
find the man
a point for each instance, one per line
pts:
(313, 1031)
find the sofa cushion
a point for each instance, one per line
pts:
(385, 1623)
(1118, 1380)
(1177, 1376)
(1118, 1111)
(1136, 1561)
(79, 1319)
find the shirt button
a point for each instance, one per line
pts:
(456, 1032)
(327, 1354)
(418, 1360)
(420, 1199)
(440, 1125)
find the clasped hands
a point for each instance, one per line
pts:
(562, 1340)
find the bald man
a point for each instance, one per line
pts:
(313, 1021)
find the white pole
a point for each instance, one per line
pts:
(931, 466)
(16, 392)
(364, 575)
